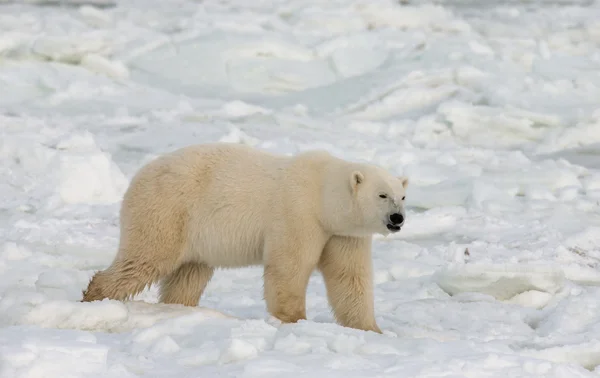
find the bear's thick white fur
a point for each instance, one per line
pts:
(224, 205)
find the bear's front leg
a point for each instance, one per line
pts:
(347, 271)
(287, 270)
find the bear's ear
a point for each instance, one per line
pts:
(404, 181)
(355, 179)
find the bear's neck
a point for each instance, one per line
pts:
(338, 213)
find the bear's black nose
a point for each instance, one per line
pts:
(396, 218)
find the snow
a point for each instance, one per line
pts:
(491, 109)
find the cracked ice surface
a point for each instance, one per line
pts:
(491, 108)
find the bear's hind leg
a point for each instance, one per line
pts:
(186, 284)
(347, 271)
(148, 252)
(123, 280)
(153, 224)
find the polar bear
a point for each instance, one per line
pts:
(223, 205)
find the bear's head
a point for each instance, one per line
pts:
(378, 198)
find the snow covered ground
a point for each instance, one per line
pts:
(491, 108)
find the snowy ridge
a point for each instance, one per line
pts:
(490, 108)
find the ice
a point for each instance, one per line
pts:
(386, 13)
(490, 108)
(100, 64)
(501, 282)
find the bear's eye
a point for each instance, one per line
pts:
(403, 198)
(383, 196)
